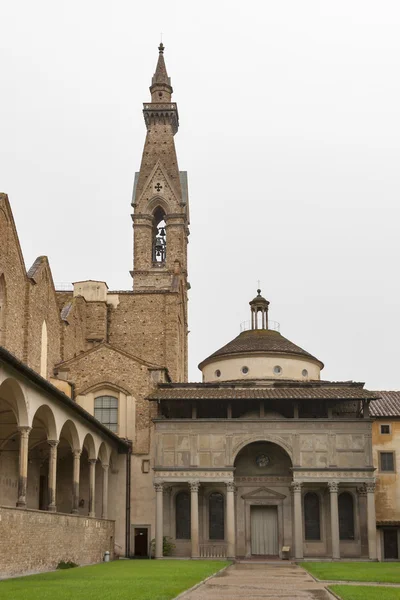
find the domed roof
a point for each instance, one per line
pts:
(260, 341)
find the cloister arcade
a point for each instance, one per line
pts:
(53, 455)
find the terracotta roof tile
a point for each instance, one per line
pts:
(387, 406)
(202, 392)
(264, 341)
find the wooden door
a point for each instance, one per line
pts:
(390, 544)
(264, 530)
(141, 541)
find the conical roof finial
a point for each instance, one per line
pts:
(161, 76)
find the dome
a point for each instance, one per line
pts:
(264, 341)
(260, 353)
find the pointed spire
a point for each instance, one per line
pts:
(161, 76)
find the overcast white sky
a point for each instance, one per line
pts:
(289, 131)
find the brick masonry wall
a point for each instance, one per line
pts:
(33, 541)
(42, 306)
(104, 364)
(13, 269)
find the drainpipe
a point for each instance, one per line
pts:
(128, 505)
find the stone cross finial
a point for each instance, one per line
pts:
(161, 48)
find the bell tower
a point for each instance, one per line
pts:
(160, 194)
(161, 229)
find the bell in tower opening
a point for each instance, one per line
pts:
(159, 236)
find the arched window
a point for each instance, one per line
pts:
(159, 236)
(106, 411)
(2, 311)
(312, 516)
(216, 519)
(43, 351)
(346, 516)
(182, 515)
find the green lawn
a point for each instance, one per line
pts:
(365, 592)
(119, 580)
(355, 571)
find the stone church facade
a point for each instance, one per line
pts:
(100, 426)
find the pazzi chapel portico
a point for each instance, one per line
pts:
(260, 463)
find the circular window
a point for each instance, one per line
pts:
(245, 370)
(277, 370)
(217, 373)
(304, 373)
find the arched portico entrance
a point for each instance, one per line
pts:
(263, 478)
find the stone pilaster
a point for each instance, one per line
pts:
(371, 519)
(194, 517)
(23, 464)
(333, 493)
(52, 507)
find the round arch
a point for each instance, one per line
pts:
(104, 454)
(11, 392)
(70, 433)
(89, 444)
(45, 415)
(273, 439)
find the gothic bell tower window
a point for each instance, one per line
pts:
(159, 236)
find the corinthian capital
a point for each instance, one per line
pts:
(194, 485)
(370, 486)
(333, 487)
(230, 486)
(159, 486)
(296, 486)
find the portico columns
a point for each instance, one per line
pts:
(75, 481)
(92, 487)
(52, 507)
(371, 519)
(333, 492)
(194, 517)
(23, 464)
(298, 519)
(230, 519)
(159, 487)
(104, 512)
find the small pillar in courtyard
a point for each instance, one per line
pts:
(24, 432)
(52, 507)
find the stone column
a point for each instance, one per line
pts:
(371, 517)
(159, 487)
(333, 492)
(194, 517)
(230, 520)
(23, 464)
(75, 481)
(104, 512)
(298, 519)
(52, 507)
(92, 487)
